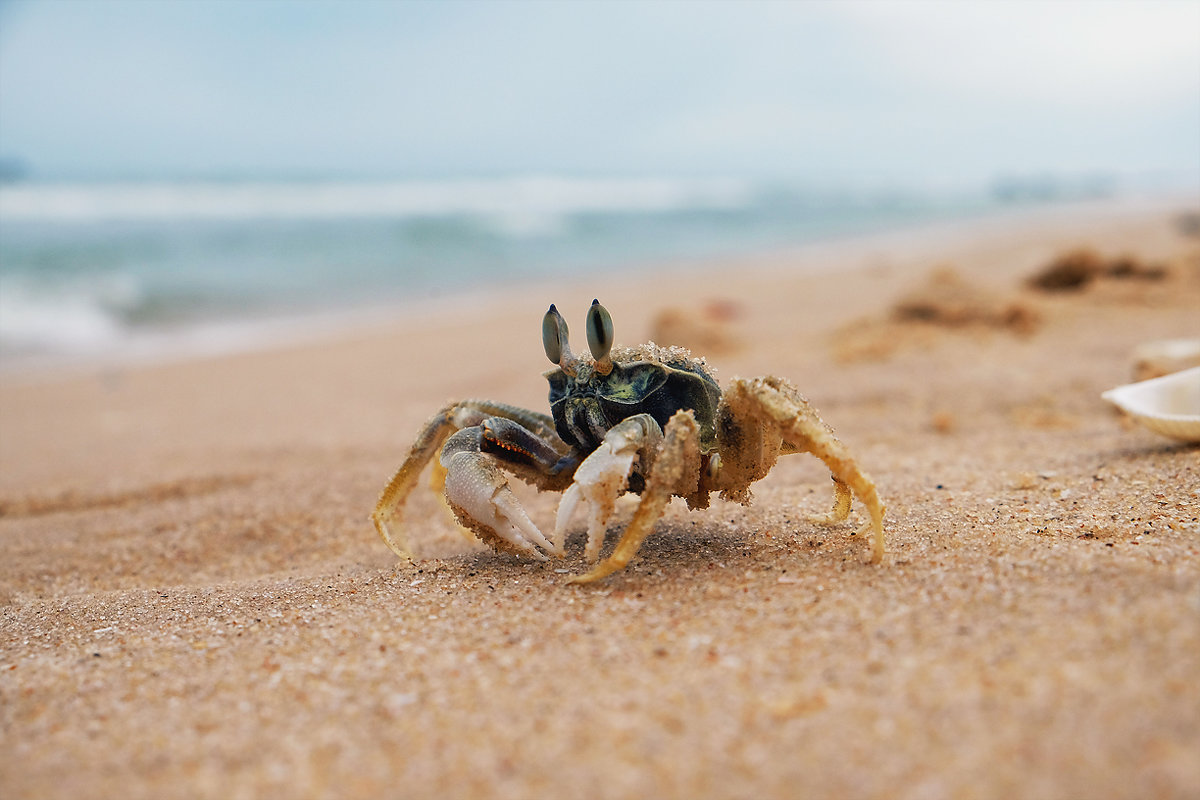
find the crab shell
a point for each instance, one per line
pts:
(643, 380)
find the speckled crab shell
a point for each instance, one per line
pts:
(647, 379)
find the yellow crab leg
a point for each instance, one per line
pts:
(386, 515)
(676, 470)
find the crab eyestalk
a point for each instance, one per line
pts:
(600, 336)
(554, 339)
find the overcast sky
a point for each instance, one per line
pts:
(914, 91)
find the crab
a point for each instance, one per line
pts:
(648, 419)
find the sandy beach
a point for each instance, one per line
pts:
(195, 604)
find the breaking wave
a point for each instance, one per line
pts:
(94, 268)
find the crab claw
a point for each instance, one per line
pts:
(478, 494)
(602, 478)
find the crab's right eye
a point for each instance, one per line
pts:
(600, 337)
(599, 330)
(551, 339)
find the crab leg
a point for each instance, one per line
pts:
(776, 402)
(386, 515)
(675, 471)
(603, 476)
(847, 477)
(842, 498)
(523, 441)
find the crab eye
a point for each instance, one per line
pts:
(551, 340)
(599, 331)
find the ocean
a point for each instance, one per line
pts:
(106, 270)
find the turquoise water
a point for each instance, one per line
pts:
(92, 268)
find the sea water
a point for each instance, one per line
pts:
(100, 269)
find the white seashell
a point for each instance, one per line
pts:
(1169, 405)
(1164, 356)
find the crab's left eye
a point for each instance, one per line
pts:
(551, 339)
(599, 331)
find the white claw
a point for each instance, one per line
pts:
(476, 487)
(510, 511)
(566, 510)
(599, 481)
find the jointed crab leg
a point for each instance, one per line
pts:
(775, 401)
(675, 471)
(386, 515)
(522, 441)
(842, 499)
(603, 476)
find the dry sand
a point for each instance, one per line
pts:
(195, 605)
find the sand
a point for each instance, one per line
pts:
(194, 603)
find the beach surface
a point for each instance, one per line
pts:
(195, 604)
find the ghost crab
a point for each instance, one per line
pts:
(647, 419)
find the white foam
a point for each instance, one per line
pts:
(78, 317)
(520, 205)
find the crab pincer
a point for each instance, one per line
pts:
(478, 494)
(604, 476)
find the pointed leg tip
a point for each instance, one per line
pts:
(382, 528)
(599, 572)
(878, 548)
(584, 579)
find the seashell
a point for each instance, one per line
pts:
(1164, 356)
(1169, 405)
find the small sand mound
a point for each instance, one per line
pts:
(1076, 269)
(708, 330)
(945, 302)
(1188, 223)
(946, 299)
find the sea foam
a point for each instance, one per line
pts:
(526, 198)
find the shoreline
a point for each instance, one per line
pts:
(194, 604)
(283, 329)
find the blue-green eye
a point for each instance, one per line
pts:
(599, 331)
(554, 334)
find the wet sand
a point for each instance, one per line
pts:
(194, 603)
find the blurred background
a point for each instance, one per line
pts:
(198, 173)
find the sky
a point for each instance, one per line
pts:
(917, 91)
